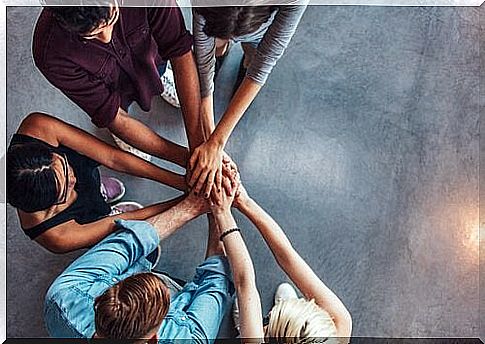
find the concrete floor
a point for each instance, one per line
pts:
(364, 146)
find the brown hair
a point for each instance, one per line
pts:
(132, 308)
(226, 22)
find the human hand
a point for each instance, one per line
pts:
(228, 162)
(241, 198)
(221, 200)
(198, 204)
(229, 169)
(206, 166)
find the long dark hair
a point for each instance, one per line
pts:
(31, 181)
(226, 22)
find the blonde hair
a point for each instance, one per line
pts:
(300, 321)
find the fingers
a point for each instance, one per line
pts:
(219, 178)
(209, 184)
(201, 181)
(235, 181)
(227, 185)
(233, 166)
(226, 158)
(195, 177)
(216, 198)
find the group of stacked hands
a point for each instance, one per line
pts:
(104, 58)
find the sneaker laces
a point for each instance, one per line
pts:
(104, 193)
(169, 89)
(115, 211)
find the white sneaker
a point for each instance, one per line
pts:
(124, 207)
(169, 91)
(285, 291)
(130, 149)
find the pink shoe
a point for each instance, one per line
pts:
(124, 207)
(112, 189)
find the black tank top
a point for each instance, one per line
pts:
(89, 206)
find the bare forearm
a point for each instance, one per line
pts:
(244, 278)
(270, 230)
(144, 138)
(214, 246)
(71, 236)
(151, 211)
(132, 165)
(187, 82)
(207, 116)
(286, 256)
(236, 249)
(250, 313)
(296, 268)
(169, 221)
(236, 109)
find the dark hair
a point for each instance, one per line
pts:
(132, 308)
(81, 19)
(31, 181)
(233, 21)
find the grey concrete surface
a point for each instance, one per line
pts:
(364, 145)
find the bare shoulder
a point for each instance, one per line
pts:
(41, 126)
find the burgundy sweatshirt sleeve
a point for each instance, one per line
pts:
(168, 29)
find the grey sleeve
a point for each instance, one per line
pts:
(205, 54)
(275, 41)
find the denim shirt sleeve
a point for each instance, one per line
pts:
(69, 302)
(112, 256)
(196, 312)
(275, 41)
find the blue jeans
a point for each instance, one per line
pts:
(162, 68)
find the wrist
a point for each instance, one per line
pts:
(216, 141)
(221, 213)
(245, 204)
(228, 232)
(191, 208)
(224, 220)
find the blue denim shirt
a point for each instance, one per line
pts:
(195, 312)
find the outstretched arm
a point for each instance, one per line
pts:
(167, 222)
(294, 266)
(57, 132)
(242, 269)
(166, 217)
(207, 160)
(71, 236)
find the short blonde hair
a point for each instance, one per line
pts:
(300, 321)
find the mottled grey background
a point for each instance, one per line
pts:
(482, 176)
(364, 146)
